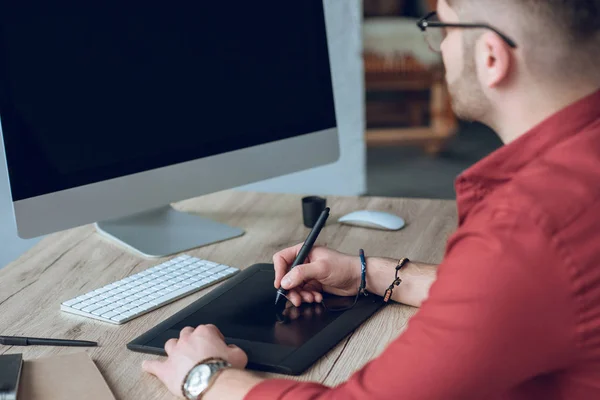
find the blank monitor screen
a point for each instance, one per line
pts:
(95, 91)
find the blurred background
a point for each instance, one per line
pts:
(415, 145)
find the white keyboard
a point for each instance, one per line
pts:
(148, 290)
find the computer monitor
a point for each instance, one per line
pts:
(111, 111)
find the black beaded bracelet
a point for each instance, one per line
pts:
(397, 281)
(362, 289)
(363, 274)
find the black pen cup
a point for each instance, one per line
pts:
(312, 207)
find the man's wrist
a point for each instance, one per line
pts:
(377, 271)
(416, 278)
(201, 377)
(231, 383)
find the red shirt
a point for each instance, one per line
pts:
(515, 311)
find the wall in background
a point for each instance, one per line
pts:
(345, 177)
(348, 175)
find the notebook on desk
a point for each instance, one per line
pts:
(10, 373)
(67, 377)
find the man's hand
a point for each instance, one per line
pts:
(337, 273)
(326, 270)
(192, 347)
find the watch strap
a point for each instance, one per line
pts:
(216, 365)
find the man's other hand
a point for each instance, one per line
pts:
(192, 347)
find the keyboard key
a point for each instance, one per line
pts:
(160, 300)
(125, 307)
(129, 285)
(119, 318)
(138, 303)
(138, 310)
(109, 314)
(219, 268)
(72, 302)
(90, 308)
(101, 311)
(81, 305)
(127, 293)
(129, 313)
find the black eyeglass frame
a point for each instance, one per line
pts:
(425, 23)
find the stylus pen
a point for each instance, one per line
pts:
(306, 248)
(28, 341)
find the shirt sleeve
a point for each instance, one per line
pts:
(500, 313)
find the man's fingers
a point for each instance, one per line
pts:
(282, 261)
(237, 357)
(307, 296)
(304, 273)
(294, 298)
(211, 330)
(217, 331)
(318, 297)
(154, 367)
(170, 346)
(185, 332)
(315, 289)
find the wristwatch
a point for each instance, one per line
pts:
(201, 377)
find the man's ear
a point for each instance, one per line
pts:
(495, 60)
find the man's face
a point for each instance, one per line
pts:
(458, 51)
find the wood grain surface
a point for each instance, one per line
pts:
(73, 262)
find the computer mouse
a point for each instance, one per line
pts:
(373, 219)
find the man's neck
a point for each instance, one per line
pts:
(519, 117)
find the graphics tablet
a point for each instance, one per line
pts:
(243, 309)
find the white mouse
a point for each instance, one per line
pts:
(373, 219)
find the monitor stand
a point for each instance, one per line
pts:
(165, 231)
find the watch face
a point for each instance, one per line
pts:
(198, 380)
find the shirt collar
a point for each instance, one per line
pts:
(477, 182)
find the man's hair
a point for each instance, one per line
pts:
(563, 32)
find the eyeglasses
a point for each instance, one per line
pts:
(435, 37)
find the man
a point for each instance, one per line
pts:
(514, 312)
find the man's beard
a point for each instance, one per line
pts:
(468, 100)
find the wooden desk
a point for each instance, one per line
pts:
(73, 262)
